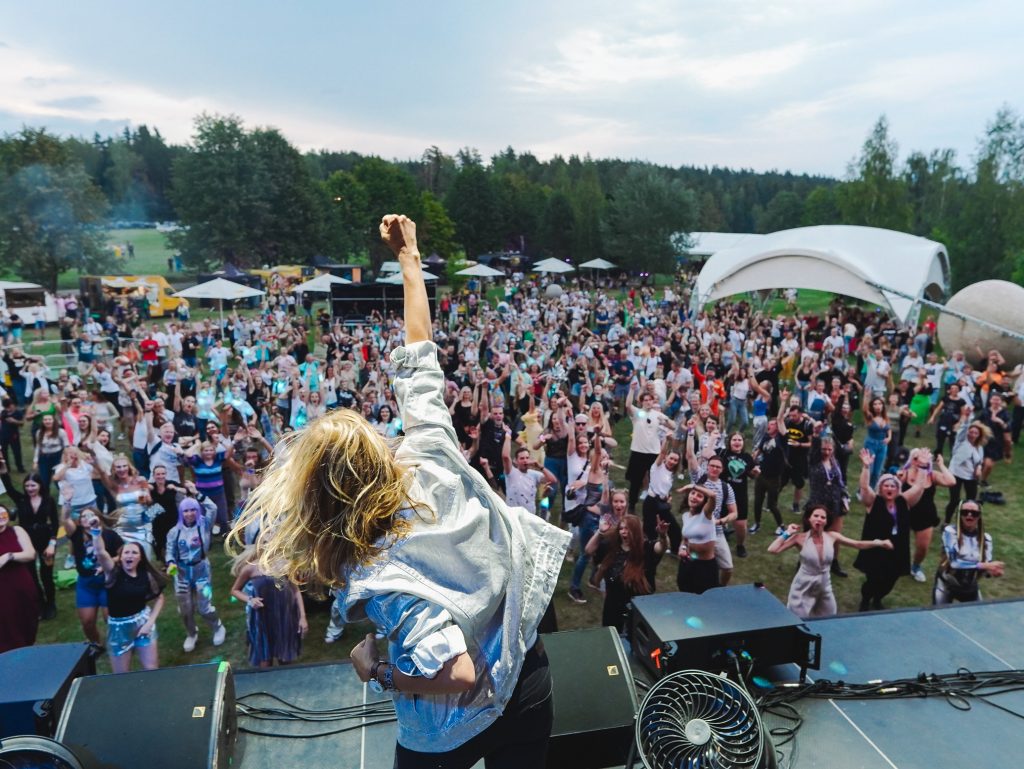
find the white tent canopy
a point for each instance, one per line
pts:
(319, 284)
(860, 262)
(218, 288)
(481, 271)
(704, 244)
(397, 278)
(553, 265)
(598, 264)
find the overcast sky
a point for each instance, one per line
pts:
(791, 85)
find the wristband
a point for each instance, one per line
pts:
(784, 535)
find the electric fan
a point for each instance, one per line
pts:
(696, 720)
(32, 752)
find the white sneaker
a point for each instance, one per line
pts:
(918, 574)
(190, 643)
(219, 634)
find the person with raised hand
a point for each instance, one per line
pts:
(418, 543)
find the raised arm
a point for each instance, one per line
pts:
(106, 562)
(399, 233)
(867, 494)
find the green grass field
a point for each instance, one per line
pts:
(775, 571)
(151, 252)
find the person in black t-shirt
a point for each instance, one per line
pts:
(799, 429)
(132, 583)
(90, 591)
(945, 415)
(999, 448)
(770, 456)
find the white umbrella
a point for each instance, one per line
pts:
(598, 264)
(553, 265)
(220, 289)
(320, 284)
(397, 277)
(481, 271)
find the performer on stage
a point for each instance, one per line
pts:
(417, 542)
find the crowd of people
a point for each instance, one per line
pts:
(143, 450)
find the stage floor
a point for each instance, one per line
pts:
(898, 734)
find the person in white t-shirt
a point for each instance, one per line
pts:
(523, 480)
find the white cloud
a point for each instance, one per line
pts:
(591, 59)
(37, 90)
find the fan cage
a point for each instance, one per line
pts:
(736, 733)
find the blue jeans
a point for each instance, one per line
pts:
(879, 450)
(559, 468)
(588, 528)
(140, 458)
(737, 416)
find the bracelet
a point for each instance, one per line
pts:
(389, 678)
(375, 667)
(784, 535)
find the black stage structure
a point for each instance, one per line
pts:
(352, 303)
(837, 734)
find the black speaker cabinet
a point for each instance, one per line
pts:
(34, 684)
(158, 719)
(670, 632)
(594, 699)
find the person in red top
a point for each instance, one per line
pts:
(712, 390)
(150, 347)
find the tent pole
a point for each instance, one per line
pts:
(955, 313)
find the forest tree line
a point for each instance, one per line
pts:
(248, 196)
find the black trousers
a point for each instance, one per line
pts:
(655, 509)
(636, 471)
(517, 740)
(970, 489)
(13, 442)
(42, 573)
(765, 487)
(697, 576)
(877, 585)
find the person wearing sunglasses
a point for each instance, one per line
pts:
(966, 557)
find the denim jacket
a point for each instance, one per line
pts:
(474, 574)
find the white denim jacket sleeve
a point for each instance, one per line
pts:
(422, 635)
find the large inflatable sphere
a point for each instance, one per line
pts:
(996, 301)
(553, 291)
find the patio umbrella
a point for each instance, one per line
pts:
(396, 278)
(481, 271)
(553, 265)
(598, 264)
(220, 289)
(434, 260)
(320, 284)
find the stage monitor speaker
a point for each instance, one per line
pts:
(34, 684)
(670, 632)
(158, 719)
(594, 699)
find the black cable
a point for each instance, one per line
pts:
(367, 714)
(331, 733)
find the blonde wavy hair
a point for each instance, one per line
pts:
(329, 501)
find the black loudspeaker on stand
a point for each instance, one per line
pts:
(158, 719)
(34, 685)
(594, 699)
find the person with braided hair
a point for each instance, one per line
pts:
(966, 557)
